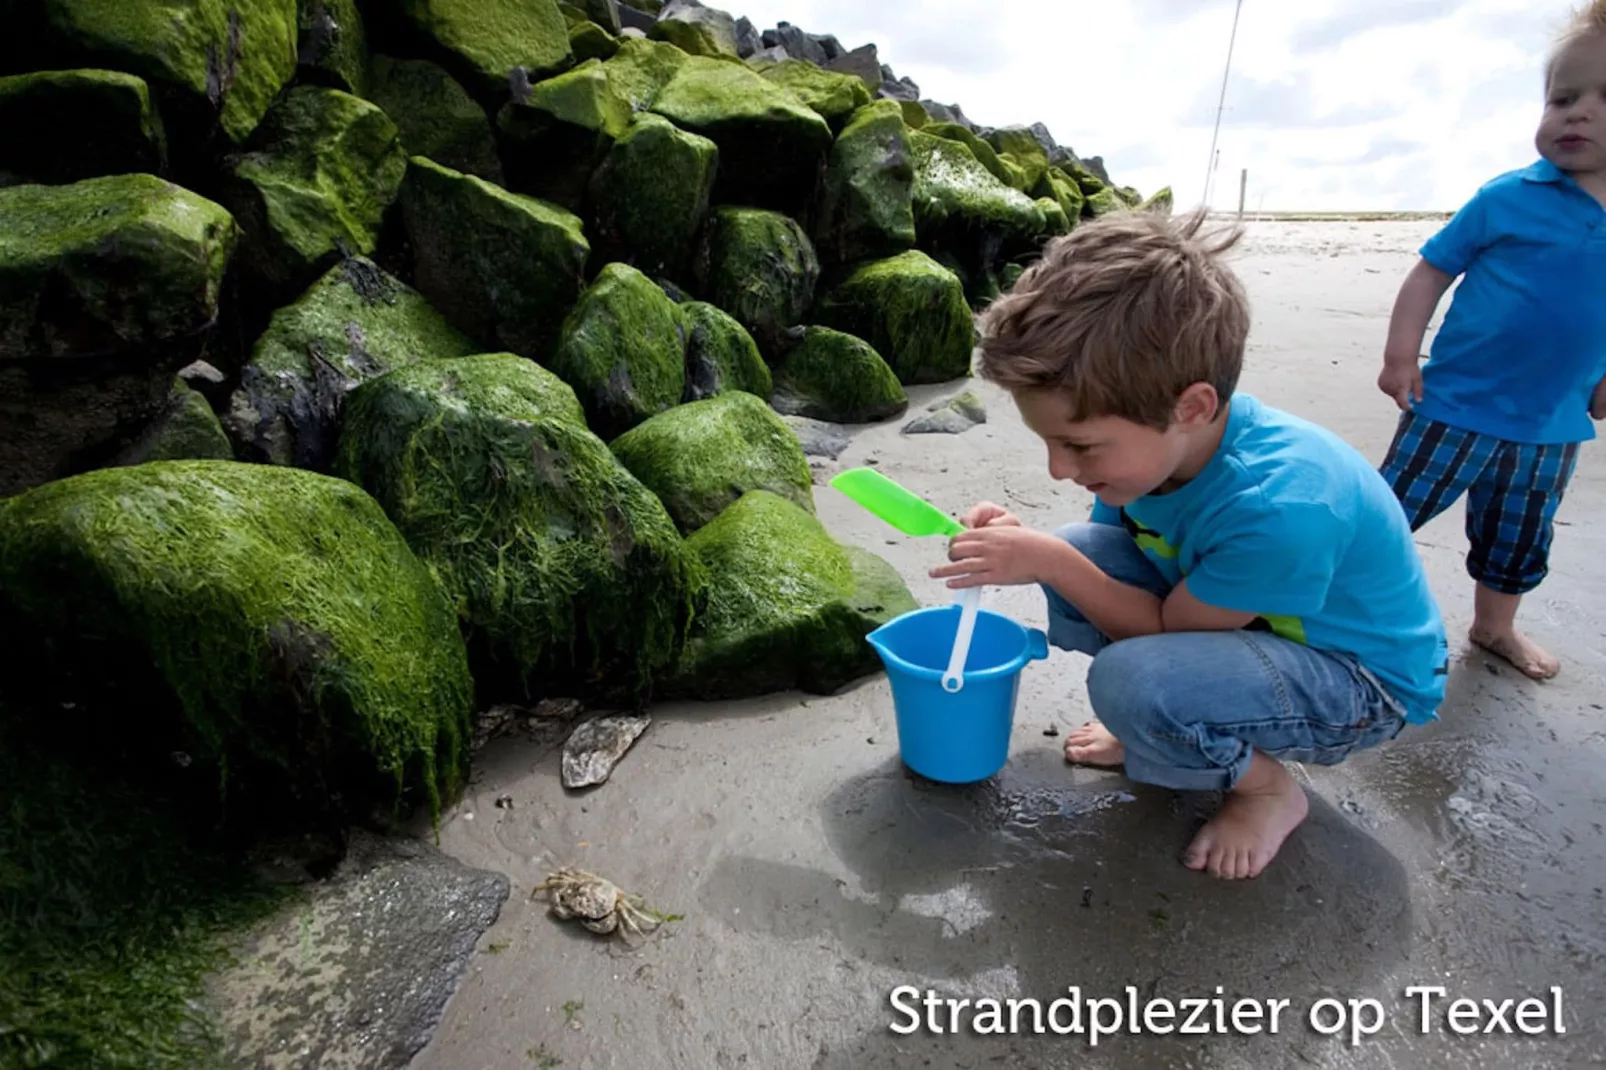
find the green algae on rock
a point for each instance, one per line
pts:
(1161, 201)
(915, 114)
(720, 355)
(641, 68)
(1055, 221)
(650, 194)
(434, 116)
(555, 134)
(788, 607)
(1023, 148)
(771, 146)
(562, 565)
(501, 267)
(1103, 203)
(333, 47)
(623, 351)
(760, 267)
(306, 647)
(314, 183)
(1063, 190)
(912, 311)
(604, 13)
(867, 207)
(955, 193)
(64, 126)
(225, 59)
(834, 96)
(112, 265)
(488, 39)
(590, 41)
(701, 457)
(837, 378)
(985, 154)
(353, 324)
(188, 430)
(697, 31)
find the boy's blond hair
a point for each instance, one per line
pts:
(1123, 314)
(1586, 22)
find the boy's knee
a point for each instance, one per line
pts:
(1091, 538)
(1127, 684)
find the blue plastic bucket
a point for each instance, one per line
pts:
(959, 737)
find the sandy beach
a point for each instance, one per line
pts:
(814, 875)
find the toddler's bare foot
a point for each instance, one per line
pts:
(1517, 649)
(1258, 815)
(1092, 744)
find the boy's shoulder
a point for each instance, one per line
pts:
(1538, 179)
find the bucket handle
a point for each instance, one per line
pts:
(1036, 644)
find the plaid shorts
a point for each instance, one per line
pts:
(1513, 490)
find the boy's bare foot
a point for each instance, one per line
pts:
(1521, 652)
(1092, 744)
(1259, 813)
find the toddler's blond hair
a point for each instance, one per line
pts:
(1587, 21)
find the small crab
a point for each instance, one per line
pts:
(597, 902)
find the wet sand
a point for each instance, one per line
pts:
(815, 876)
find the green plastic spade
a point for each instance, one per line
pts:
(913, 515)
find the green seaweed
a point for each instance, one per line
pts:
(590, 41)
(1063, 190)
(1024, 149)
(434, 116)
(563, 566)
(698, 32)
(760, 267)
(721, 355)
(333, 46)
(834, 96)
(912, 311)
(915, 114)
(188, 430)
(641, 68)
(1055, 221)
(116, 129)
(838, 378)
(954, 191)
(985, 154)
(650, 194)
(1103, 203)
(488, 39)
(700, 457)
(867, 205)
(1160, 201)
(554, 136)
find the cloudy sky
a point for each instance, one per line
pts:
(1331, 105)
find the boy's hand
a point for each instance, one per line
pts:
(999, 554)
(986, 514)
(1401, 380)
(1597, 401)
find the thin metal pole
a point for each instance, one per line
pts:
(1243, 189)
(1221, 105)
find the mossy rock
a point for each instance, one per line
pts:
(604, 13)
(555, 135)
(697, 31)
(912, 311)
(486, 40)
(1102, 203)
(1024, 150)
(771, 146)
(837, 378)
(1063, 190)
(650, 194)
(353, 324)
(702, 456)
(333, 47)
(590, 41)
(834, 96)
(563, 566)
(720, 355)
(984, 153)
(1129, 196)
(641, 69)
(64, 126)
(915, 114)
(314, 184)
(760, 267)
(501, 267)
(954, 192)
(788, 606)
(1055, 221)
(623, 351)
(1089, 183)
(216, 62)
(434, 116)
(867, 206)
(112, 265)
(304, 647)
(1161, 201)
(188, 430)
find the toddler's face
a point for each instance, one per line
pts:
(1116, 459)
(1572, 133)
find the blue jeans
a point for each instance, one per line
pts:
(1191, 708)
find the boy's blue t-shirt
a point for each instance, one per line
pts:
(1290, 522)
(1524, 340)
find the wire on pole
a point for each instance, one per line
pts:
(1221, 104)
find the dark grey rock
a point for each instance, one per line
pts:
(818, 438)
(1064, 157)
(604, 13)
(861, 62)
(798, 44)
(829, 45)
(1044, 138)
(909, 84)
(896, 91)
(947, 113)
(1095, 164)
(773, 54)
(356, 973)
(207, 381)
(630, 18)
(748, 39)
(952, 417)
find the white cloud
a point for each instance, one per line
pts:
(1332, 104)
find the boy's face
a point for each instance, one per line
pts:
(1572, 133)
(1116, 459)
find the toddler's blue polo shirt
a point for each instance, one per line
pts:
(1524, 341)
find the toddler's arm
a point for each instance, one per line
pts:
(1418, 298)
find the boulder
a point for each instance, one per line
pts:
(353, 324)
(1063, 190)
(1161, 201)
(187, 430)
(798, 44)
(914, 114)
(867, 207)
(702, 456)
(63, 126)
(720, 355)
(862, 63)
(788, 606)
(636, 16)
(771, 147)
(1022, 146)
(267, 622)
(641, 69)
(434, 116)
(960, 207)
(695, 29)
(215, 64)
(605, 13)
(912, 311)
(313, 184)
(1088, 182)
(623, 351)
(1103, 202)
(590, 41)
(564, 568)
(484, 41)
(556, 134)
(748, 40)
(761, 268)
(837, 378)
(649, 196)
(903, 91)
(833, 96)
(947, 113)
(1055, 221)
(952, 417)
(333, 48)
(1094, 165)
(984, 153)
(502, 268)
(1129, 196)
